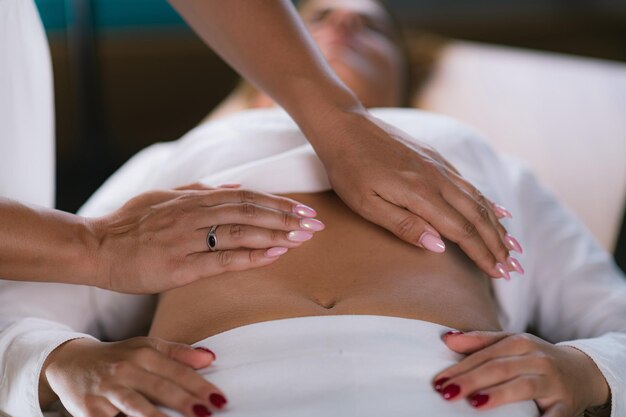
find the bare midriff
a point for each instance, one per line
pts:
(352, 267)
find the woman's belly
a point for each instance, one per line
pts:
(352, 267)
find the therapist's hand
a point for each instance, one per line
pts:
(96, 379)
(158, 240)
(410, 190)
(504, 368)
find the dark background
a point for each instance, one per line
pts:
(129, 73)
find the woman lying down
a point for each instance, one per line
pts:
(353, 322)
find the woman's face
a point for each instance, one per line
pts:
(357, 39)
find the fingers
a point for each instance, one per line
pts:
(235, 236)
(207, 264)
(185, 354)
(509, 345)
(471, 342)
(158, 370)
(253, 215)
(521, 388)
(174, 394)
(234, 196)
(490, 376)
(407, 226)
(132, 403)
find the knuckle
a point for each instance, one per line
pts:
(276, 235)
(286, 219)
(248, 210)
(522, 340)
(120, 369)
(143, 353)
(224, 258)
(406, 228)
(236, 231)
(469, 230)
(482, 214)
(247, 196)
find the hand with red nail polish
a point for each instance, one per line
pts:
(132, 377)
(503, 368)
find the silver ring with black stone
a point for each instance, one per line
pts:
(211, 238)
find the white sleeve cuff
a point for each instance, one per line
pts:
(24, 347)
(609, 354)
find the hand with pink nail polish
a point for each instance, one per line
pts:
(501, 368)
(166, 239)
(412, 191)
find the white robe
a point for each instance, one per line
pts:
(572, 292)
(26, 106)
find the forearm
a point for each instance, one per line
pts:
(266, 42)
(38, 244)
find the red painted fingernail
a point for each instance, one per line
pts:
(478, 400)
(452, 333)
(201, 411)
(450, 391)
(217, 400)
(439, 383)
(203, 349)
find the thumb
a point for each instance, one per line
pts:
(197, 358)
(471, 342)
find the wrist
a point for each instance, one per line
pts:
(91, 258)
(597, 388)
(47, 396)
(320, 102)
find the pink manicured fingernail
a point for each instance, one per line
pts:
(439, 383)
(515, 264)
(503, 272)
(432, 243)
(275, 251)
(501, 211)
(299, 236)
(512, 243)
(478, 400)
(450, 391)
(201, 411)
(203, 349)
(312, 224)
(304, 211)
(217, 400)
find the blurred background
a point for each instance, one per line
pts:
(129, 73)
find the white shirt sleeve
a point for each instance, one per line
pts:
(579, 293)
(35, 318)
